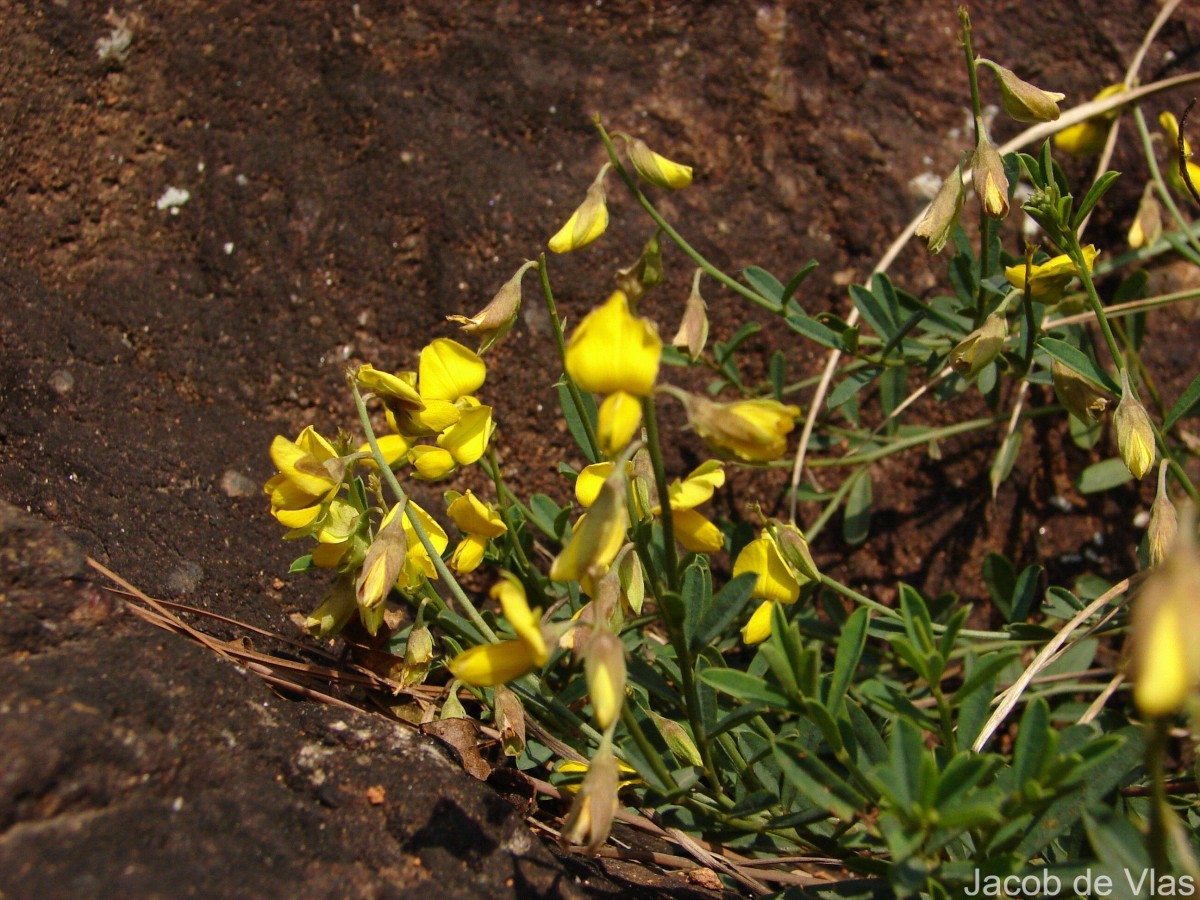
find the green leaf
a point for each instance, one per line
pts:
(766, 284)
(725, 606)
(817, 782)
(1035, 743)
(849, 651)
(1075, 359)
(1098, 189)
(1102, 476)
(1003, 462)
(302, 563)
(572, 417)
(1025, 593)
(1001, 579)
(815, 331)
(796, 280)
(693, 601)
(778, 373)
(747, 688)
(1184, 405)
(873, 311)
(856, 524)
(851, 385)
(544, 513)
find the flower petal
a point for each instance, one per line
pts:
(449, 371)
(612, 350)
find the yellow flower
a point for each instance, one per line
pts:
(310, 473)
(1048, 280)
(758, 628)
(658, 170)
(618, 420)
(399, 389)
(1135, 433)
(692, 529)
(987, 176)
(1166, 628)
(448, 371)
(598, 535)
(1174, 178)
(754, 430)
(587, 223)
(775, 580)
(578, 767)
(479, 522)
(612, 350)
(1087, 137)
(336, 534)
(462, 444)
(491, 664)
(419, 564)
(604, 665)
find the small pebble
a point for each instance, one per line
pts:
(235, 484)
(61, 382)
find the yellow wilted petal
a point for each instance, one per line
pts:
(612, 350)
(449, 371)
(758, 629)
(618, 420)
(491, 664)
(775, 580)
(695, 532)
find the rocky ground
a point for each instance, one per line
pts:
(354, 173)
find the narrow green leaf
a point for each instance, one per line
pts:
(851, 385)
(873, 312)
(1102, 476)
(1003, 462)
(849, 651)
(766, 284)
(746, 687)
(693, 601)
(1075, 359)
(572, 418)
(1025, 594)
(856, 524)
(1098, 189)
(302, 563)
(815, 331)
(778, 373)
(723, 609)
(796, 280)
(1184, 405)
(1034, 740)
(817, 782)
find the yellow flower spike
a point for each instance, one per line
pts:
(1166, 628)
(1048, 280)
(656, 169)
(397, 388)
(988, 178)
(1087, 137)
(775, 581)
(612, 350)
(604, 666)
(491, 664)
(384, 561)
(758, 628)
(590, 819)
(587, 223)
(337, 609)
(598, 535)
(449, 371)
(753, 430)
(1135, 433)
(619, 418)
(479, 522)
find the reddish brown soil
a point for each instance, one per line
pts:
(357, 172)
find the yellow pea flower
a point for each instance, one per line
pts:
(1087, 137)
(775, 580)
(448, 371)
(310, 473)
(479, 522)
(754, 430)
(628, 774)
(604, 666)
(1171, 126)
(588, 222)
(758, 628)
(598, 535)
(491, 664)
(619, 418)
(692, 529)
(394, 448)
(400, 389)
(1049, 280)
(612, 350)
(337, 534)
(656, 169)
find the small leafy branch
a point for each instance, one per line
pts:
(715, 673)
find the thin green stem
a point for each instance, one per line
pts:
(649, 752)
(1160, 185)
(690, 251)
(439, 564)
(502, 496)
(593, 448)
(886, 611)
(654, 446)
(1156, 750)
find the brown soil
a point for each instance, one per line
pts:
(356, 173)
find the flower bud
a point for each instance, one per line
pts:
(418, 653)
(1135, 434)
(974, 352)
(940, 219)
(988, 178)
(604, 665)
(645, 273)
(1164, 521)
(658, 170)
(591, 815)
(794, 548)
(679, 742)
(1021, 100)
(496, 319)
(587, 223)
(335, 610)
(384, 561)
(1166, 627)
(1081, 398)
(510, 721)
(1147, 224)
(693, 327)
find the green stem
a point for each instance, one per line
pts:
(1076, 253)
(690, 251)
(593, 448)
(649, 752)
(886, 611)
(502, 496)
(1160, 185)
(439, 564)
(654, 446)
(1156, 750)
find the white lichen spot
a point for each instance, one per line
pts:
(172, 199)
(114, 47)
